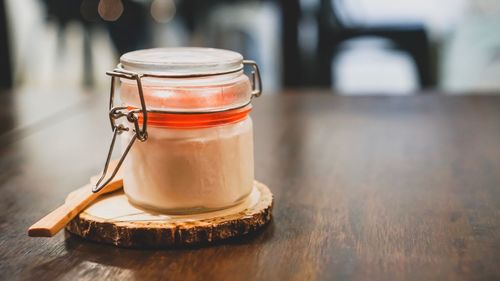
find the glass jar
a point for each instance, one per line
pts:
(189, 108)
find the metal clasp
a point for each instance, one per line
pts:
(141, 132)
(255, 76)
(115, 113)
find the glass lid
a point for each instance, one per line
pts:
(186, 61)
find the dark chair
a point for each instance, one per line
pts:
(5, 58)
(411, 39)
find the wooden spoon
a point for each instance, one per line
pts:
(52, 223)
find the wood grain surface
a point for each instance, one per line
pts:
(113, 220)
(366, 188)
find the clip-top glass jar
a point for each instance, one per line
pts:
(189, 108)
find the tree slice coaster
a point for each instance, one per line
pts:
(113, 220)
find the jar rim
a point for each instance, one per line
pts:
(181, 62)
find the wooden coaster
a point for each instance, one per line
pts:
(113, 220)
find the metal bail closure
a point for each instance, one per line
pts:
(140, 132)
(255, 76)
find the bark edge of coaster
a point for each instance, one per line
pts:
(141, 229)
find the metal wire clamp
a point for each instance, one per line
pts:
(140, 130)
(255, 75)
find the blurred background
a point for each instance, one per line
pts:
(351, 46)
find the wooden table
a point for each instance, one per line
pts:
(366, 188)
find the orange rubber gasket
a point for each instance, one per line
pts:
(200, 120)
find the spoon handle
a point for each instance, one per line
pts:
(76, 202)
(52, 223)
